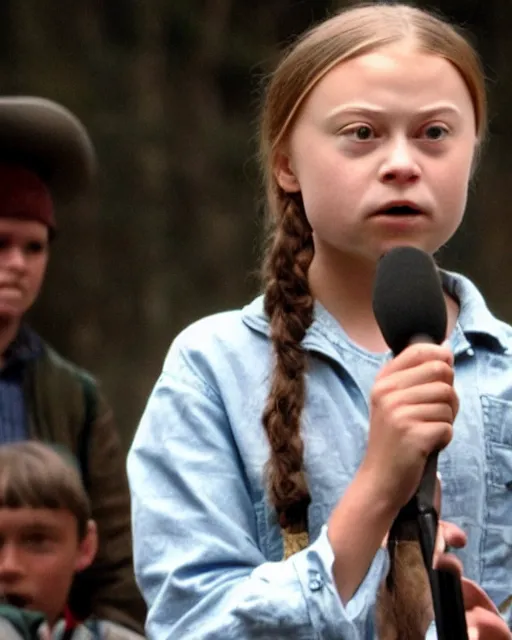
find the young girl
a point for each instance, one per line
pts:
(281, 440)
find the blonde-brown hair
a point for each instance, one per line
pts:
(38, 476)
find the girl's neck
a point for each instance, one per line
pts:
(345, 289)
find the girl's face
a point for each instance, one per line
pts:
(382, 152)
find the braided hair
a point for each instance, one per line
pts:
(289, 306)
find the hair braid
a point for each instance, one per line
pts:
(289, 305)
(404, 609)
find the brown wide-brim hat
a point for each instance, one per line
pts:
(47, 138)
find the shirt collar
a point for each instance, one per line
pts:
(475, 324)
(25, 346)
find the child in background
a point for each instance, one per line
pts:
(46, 538)
(48, 165)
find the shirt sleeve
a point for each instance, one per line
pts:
(196, 551)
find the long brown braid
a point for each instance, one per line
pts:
(289, 306)
(404, 607)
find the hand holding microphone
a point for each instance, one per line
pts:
(413, 402)
(414, 405)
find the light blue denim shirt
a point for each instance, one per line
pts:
(208, 550)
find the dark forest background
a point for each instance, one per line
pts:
(169, 91)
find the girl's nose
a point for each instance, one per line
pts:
(400, 165)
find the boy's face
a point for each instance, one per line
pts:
(39, 554)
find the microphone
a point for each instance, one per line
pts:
(408, 300)
(409, 306)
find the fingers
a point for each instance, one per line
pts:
(482, 616)
(430, 371)
(474, 596)
(434, 411)
(428, 410)
(428, 393)
(422, 374)
(413, 405)
(451, 535)
(484, 625)
(419, 354)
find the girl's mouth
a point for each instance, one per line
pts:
(400, 210)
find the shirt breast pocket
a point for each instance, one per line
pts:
(497, 415)
(497, 552)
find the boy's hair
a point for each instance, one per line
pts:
(39, 476)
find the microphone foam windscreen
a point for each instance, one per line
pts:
(408, 298)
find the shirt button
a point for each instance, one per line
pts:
(315, 584)
(470, 352)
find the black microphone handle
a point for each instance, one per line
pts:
(427, 483)
(445, 585)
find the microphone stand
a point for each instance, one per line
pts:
(445, 585)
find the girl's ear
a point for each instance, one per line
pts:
(87, 547)
(284, 173)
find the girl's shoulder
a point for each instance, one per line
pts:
(476, 320)
(227, 333)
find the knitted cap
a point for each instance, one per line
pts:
(25, 196)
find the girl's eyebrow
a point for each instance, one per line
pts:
(439, 109)
(361, 109)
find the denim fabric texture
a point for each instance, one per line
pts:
(208, 549)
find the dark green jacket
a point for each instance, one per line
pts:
(65, 407)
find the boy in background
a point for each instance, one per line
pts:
(47, 536)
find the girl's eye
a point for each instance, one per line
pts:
(435, 132)
(360, 132)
